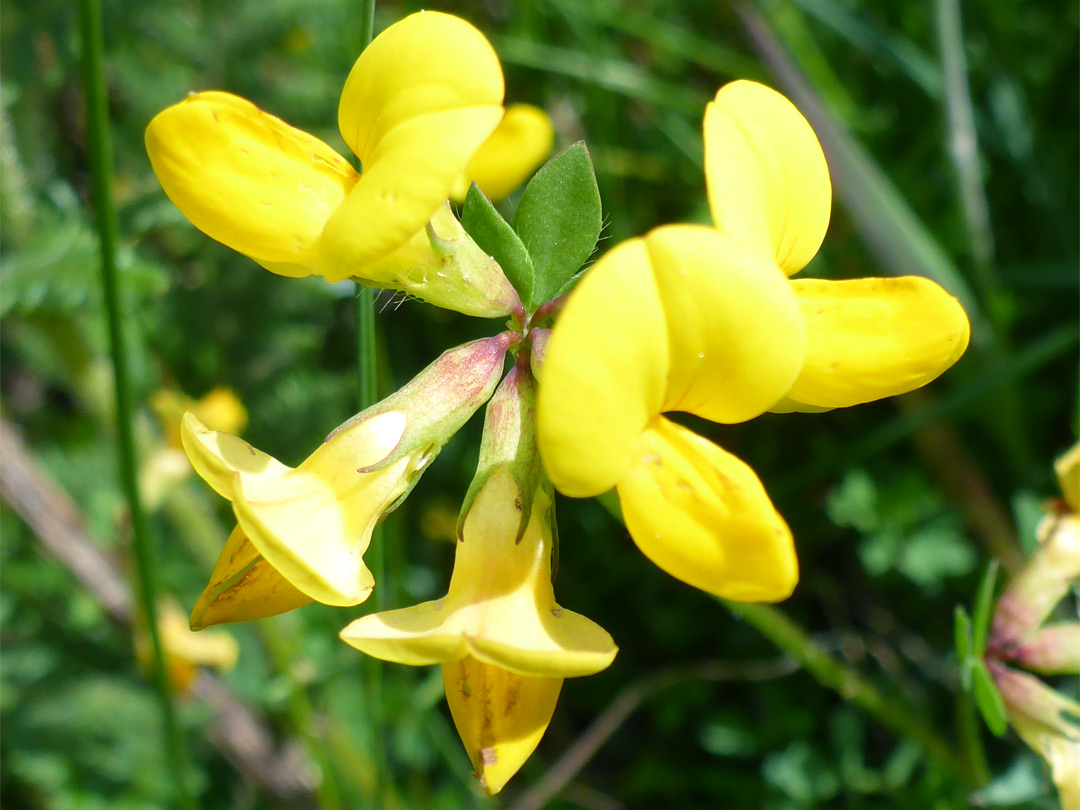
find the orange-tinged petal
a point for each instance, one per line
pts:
(248, 179)
(767, 179)
(244, 586)
(499, 715)
(702, 515)
(736, 336)
(605, 373)
(875, 337)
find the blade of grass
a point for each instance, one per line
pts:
(93, 49)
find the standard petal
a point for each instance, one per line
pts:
(242, 587)
(248, 179)
(427, 63)
(875, 337)
(737, 338)
(411, 173)
(767, 179)
(219, 457)
(500, 716)
(520, 143)
(702, 515)
(605, 373)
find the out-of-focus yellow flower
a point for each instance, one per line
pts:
(499, 715)
(1068, 475)
(519, 145)
(500, 608)
(184, 650)
(311, 525)
(167, 465)
(418, 103)
(704, 320)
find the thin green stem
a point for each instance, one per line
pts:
(367, 384)
(93, 50)
(848, 683)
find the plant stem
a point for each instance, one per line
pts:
(367, 384)
(100, 153)
(847, 682)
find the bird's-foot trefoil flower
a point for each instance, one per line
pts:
(499, 715)
(311, 525)
(504, 643)
(416, 106)
(185, 652)
(704, 320)
(500, 607)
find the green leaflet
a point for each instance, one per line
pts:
(559, 221)
(496, 238)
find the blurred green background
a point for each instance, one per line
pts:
(953, 148)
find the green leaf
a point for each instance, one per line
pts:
(988, 699)
(983, 602)
(559, 220)
(496, 238)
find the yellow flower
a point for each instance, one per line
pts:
(519, 145)
(184, 650)
(500, 716)
(311, 525)
(418, 103)
(704, 320)
(500, 609)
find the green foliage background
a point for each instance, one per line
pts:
(896, 506)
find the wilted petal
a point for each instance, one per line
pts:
(244, 586)
(248, 179)
(875, 337)
(767, 179)
(500, 607)
(605, 373)
(702, 515)
(735, 334)
(500, 716)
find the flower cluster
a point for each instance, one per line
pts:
(700, 319)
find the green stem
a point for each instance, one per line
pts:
(367, 383)
(847, 682)
(100, 151)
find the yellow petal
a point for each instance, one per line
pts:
(1067, 469)
(248, 179)
(875, 337)
(500, 716)
(737, 339)
(242, 587)
(313, 523)
(221, 409)
(418, 102)
(218, 457)
(410, 175)
(702, 515)
(605, 373)
(766, 175)
(500, 607)
(519, 145)
(427, 63)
